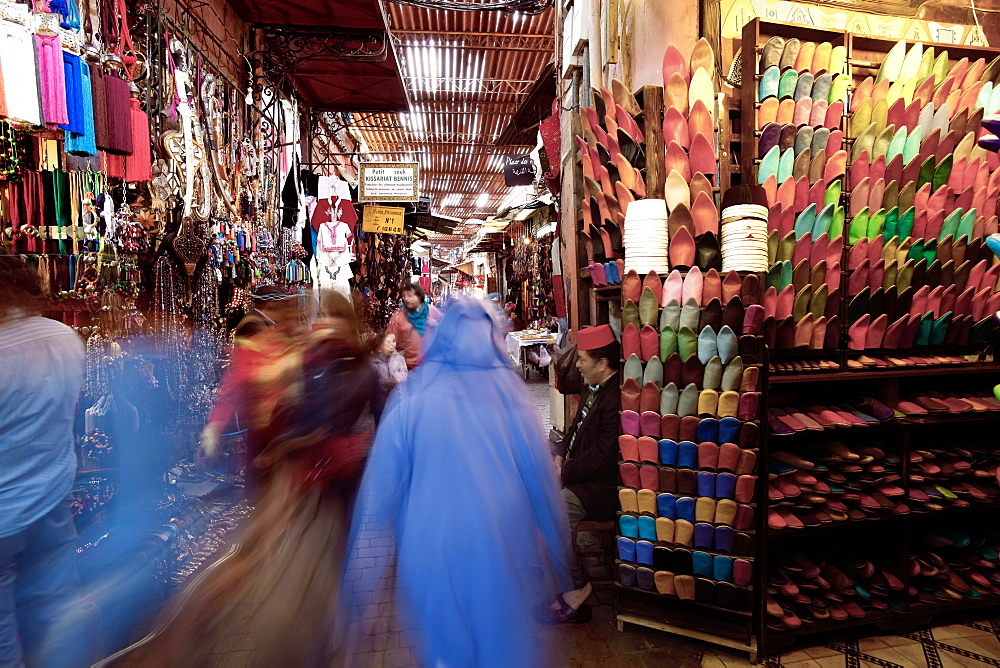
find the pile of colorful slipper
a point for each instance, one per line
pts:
(689, 120)
(955, 565)
(953, 476)
(830, 482)
(805, 588)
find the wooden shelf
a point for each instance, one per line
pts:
(748, 631)
(885, 374)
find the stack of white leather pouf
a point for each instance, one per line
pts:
(646, 239)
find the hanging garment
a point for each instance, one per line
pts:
(290, 201)
(51, 79)
(335, 237)
(310, 182)
(119, 115)
(17, 57)
(139, 165)
(551, 139)
(113, 165)
(100, 102)
(61, 206)
(345, 212)
(72, 73)
(69, 12)
(84, 143)
(324, 188)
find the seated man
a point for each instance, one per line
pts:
(587, 458)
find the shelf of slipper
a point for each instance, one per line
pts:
(690, 118)
(687, 514)
(612, 158)
(866, 413)
(827, 484)
(990, 127)
(698, 322)
(954, 565)
(832, 589)
(795, 50)
(802, 296)
(916, 111)
(898, 303)
(942, 367)
(689, 435)
(939, 406)
(613, 179)
(922, 198)
(948, 357)
(798, 98)
(952, 477)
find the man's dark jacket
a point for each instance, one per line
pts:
(591, 467)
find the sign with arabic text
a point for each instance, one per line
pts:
(383, 219)
(518, 170)
(388, 181)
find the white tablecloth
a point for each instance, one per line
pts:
(515, 344)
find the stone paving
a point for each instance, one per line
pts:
(384, 636)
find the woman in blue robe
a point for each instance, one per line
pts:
(460, 471)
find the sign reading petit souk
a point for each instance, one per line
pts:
(388, 181)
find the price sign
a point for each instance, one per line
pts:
(383, 219)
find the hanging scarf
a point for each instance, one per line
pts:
(418, 318)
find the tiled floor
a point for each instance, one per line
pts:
(968, 644)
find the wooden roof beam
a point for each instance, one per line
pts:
(476, 40)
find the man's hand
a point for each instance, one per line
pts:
(558, 463)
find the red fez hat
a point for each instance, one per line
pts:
(592, 338)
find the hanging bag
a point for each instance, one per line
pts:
(568, 378)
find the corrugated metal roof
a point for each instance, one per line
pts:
(466, 73)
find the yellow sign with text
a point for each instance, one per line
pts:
(383, 219)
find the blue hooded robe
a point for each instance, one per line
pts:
(460, 471)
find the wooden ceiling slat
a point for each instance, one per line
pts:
(453, 124)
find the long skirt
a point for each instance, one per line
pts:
(272, 599)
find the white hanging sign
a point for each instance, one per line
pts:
(388, 181)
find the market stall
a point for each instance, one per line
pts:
(529, 348)
(154, 175)
(774, 258)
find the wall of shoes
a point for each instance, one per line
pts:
(688, 285)
(811, 369)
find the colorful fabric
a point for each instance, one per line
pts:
(418, 318)
(74, 94)
(52, 79)
(17, 57)
(84, 142)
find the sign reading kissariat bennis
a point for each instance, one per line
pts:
(388, 181)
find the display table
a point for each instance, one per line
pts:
(518, 343)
